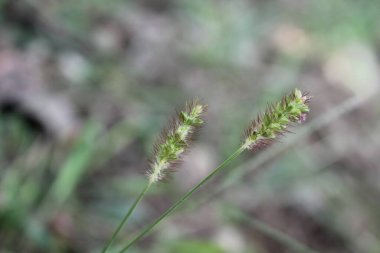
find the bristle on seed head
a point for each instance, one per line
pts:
(276, 119)
(175, 140)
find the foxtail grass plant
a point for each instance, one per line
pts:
(168, 151)
(268, 126)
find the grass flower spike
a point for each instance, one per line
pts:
(175, 141)
(276, 119)
(274, 122)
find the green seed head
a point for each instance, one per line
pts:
(175, 140)
(276, 119)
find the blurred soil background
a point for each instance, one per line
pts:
(87, 85)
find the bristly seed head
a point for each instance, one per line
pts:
(275, 120)
(175, 140)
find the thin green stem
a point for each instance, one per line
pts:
(126, 217)
(183, 199)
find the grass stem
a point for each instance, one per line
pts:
(182, 200)
(126, 217)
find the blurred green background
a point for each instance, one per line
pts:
(87, 85)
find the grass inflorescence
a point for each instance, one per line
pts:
(276, 120)
(168, 151)
(175, 140)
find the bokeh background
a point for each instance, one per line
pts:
(87, 85)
